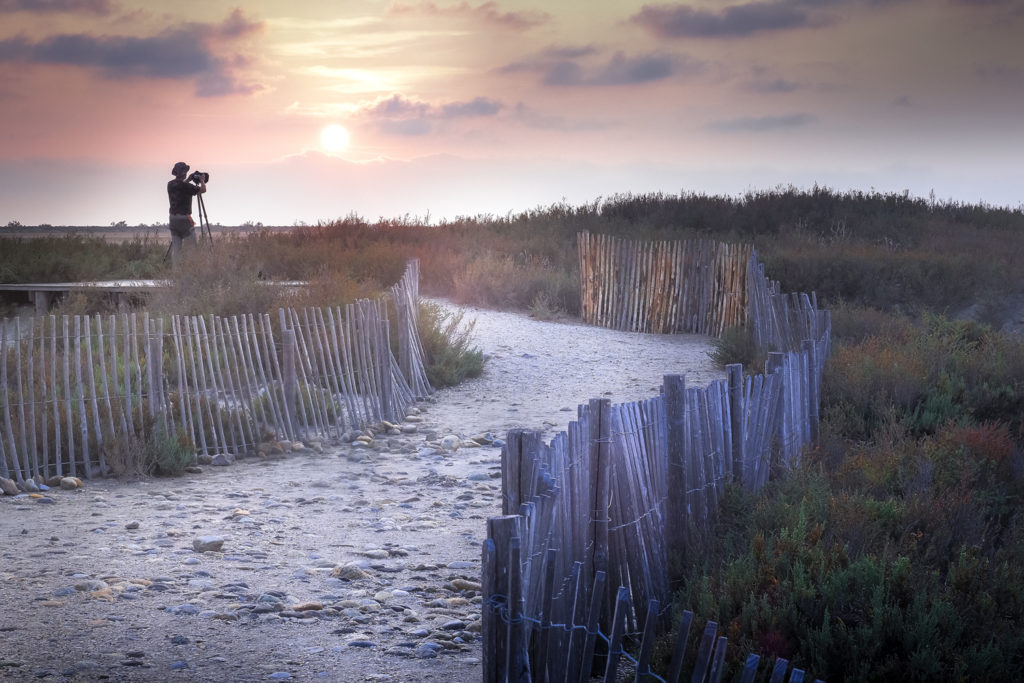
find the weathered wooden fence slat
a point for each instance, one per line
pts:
(76, 390)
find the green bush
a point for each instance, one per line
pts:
(849, 586)
(896, 551)
(736, 345)
(166, 454)
(922, 376)
(449, 354)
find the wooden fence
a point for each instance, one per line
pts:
(631, 491)
(693, 286)
(78, 391)
(566, 637)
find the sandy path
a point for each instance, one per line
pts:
(355, 564)
(539, 372)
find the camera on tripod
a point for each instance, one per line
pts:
(198, 177)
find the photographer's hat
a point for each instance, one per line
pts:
(180, 168)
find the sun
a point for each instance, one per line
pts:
(334, 138)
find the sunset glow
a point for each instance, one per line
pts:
(459, 108)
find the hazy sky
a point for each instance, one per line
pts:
(467, 108)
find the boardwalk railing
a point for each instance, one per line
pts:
(631, 491)
(77, 391)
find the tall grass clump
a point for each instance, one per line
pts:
(449, 354)
(153, 451)
(736, 345)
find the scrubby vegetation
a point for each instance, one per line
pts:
(897, 550)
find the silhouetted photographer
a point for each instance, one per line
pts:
(180, 191)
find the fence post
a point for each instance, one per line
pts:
(643, 668)
(737, 418)
(814, 387)
(593, 618)
(781, 434)
(511, 464)
(489, 569)
(676, 521)
(540, 668)
(618, 631)
(289, 377)
(518, 662)
(600, 452)
(495, 584)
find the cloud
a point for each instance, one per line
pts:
(1001, 74)
(531, 118)
(775, 85)
(98, 7)
(983, 3)
(237, 25)
(398, 115)
(549, 58)
(173, 54)
(185, 52)
(762, 124)
(487, 13)
(478, 106)
(568, 52)
(561, 67)
(399, 107)
(735, 21)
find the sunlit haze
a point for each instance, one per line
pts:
(311, 111)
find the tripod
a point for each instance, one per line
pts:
(204, 220)
(204, 224)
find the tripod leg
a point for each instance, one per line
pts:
(204, 219)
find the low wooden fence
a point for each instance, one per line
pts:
(631, 491)
(566, 635)
(781, 322)
(693, 286)
(79, 390)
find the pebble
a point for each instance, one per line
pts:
(362, 643)
(206, 544)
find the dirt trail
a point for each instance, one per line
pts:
(354, 564)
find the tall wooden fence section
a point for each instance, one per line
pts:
(694, 286)
(596, 521)
(78, 391)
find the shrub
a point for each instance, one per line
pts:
(736, 345)
(450, 357)
(156, 453)
(923, 376)
(847, 584)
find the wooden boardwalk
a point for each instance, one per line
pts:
(43, 294)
